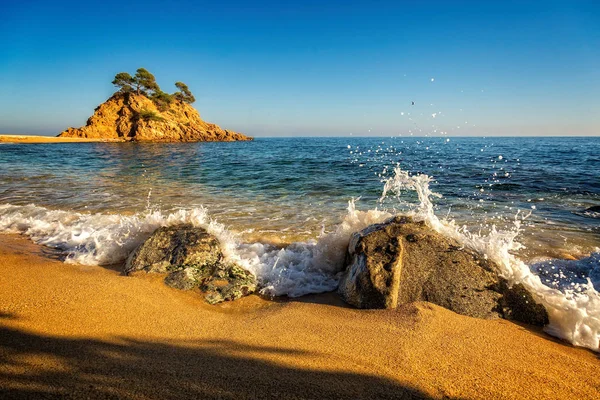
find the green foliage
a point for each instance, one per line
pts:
(184, 93)
(124, 82)
(162, 100)
(149, 115)
(145, 82)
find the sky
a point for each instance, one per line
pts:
(313, 68)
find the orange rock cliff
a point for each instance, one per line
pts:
(133, 117)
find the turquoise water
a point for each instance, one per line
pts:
(290, 189)
(286, 208)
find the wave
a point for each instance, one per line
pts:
(574, 311)
(96, 239)
(314, 266)
(306, 267)
(103, 239)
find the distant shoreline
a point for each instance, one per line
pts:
(50, 139)
(10, 138)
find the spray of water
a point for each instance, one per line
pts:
(100, 239)
(574, 313)
(313, 266)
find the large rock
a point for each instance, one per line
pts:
(175, 247)
(192, 259)
(133, 117)
(401, 261)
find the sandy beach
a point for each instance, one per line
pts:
(89, 332)
(49, 139)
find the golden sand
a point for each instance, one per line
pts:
(89, 332)
(49, 139)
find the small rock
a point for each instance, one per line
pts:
(230, 282)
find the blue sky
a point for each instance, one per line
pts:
(272, 68)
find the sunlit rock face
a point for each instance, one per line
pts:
(133, 117)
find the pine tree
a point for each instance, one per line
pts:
(144, 82)
(184, 93)
(123, 81)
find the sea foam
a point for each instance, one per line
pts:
(314, 266)
(97, 239)
(574, 311)
(102, 239)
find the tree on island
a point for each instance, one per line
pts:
(162, 100)
(144, 83)
(124, 82)
(184, 93)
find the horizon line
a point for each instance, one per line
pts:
(373, 136)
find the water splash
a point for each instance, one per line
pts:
(574, 312)
(306, 267)
(100, 239)
(312, 266)
(401, 181)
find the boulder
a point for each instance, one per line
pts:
(175, 247)
(192, 259)
(401, 261)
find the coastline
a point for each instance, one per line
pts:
(84, 331)
(50, 139)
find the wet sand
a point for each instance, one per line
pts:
(49, 139)
(89, 332)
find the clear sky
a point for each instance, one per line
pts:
(279, 68)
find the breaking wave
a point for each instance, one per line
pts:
(565, 288)
(573, 305)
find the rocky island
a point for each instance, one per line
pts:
(141, 111)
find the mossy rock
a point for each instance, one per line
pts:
(192, 259)
(229, 282)
(173, 248)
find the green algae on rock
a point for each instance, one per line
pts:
(193, 259)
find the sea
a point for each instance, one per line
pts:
(285, 208)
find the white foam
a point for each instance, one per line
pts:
(574, 313)
(101, 239)
(313, 266)
(307, 267)
(98, 239)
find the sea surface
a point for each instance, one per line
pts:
(285, 207)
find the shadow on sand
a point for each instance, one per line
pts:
(34, 366)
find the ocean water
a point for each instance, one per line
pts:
(286, 207)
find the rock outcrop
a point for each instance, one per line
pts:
(402, 261)
(192, 259)
(132, 117)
